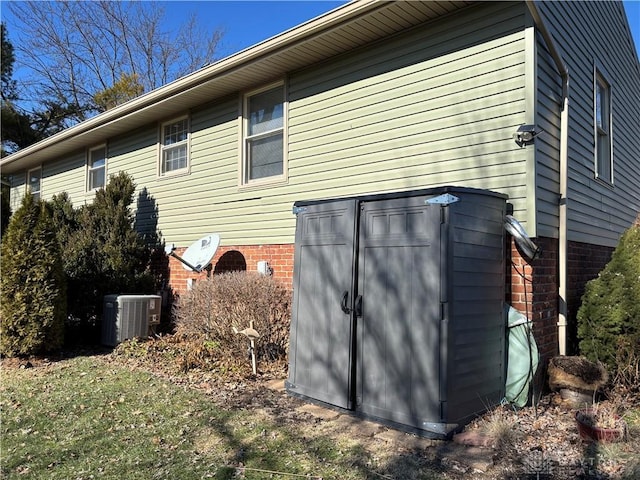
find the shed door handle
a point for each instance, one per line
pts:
(358, 307)
(343, 302)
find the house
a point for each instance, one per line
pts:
(535, 100)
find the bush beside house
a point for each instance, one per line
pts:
(102, 254)
(208, 314)
(609, 317)
(33, 298)
(58, 263)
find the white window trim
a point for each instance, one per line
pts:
(600, 76)
(161, 148)
(88, 189)
(28, 183)
(243, 120)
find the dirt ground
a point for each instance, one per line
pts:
(503, 444)
(540, 441)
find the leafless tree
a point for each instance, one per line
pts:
(72, 51)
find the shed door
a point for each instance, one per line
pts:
(399, 332)
(321, 330)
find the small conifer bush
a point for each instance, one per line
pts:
(610, 312)
(33, 298)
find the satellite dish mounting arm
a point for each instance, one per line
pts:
(197, 257)
(195, 269)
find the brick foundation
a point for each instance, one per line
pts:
(531, 288)
(540, 280)
(234, 257)
(584, 262)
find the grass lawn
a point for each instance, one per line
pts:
(108, 417)
(92, 418)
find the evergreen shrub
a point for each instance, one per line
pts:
(33, 297)
(103, 254)
(609, 316)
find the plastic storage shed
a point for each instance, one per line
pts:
(129, 316)
(398, 306)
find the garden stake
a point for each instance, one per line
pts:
(252, 335)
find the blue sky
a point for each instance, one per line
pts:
(633, 15)
(246, 23)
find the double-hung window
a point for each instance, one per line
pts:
(174, 146)
(264, 120)
(96, 168)
(34, 180)
(602, 133)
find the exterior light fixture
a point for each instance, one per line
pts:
(526, 134)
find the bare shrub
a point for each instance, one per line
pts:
(213, 308)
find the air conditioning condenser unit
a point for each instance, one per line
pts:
(129, 316)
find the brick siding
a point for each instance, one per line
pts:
(584, 262)
(532, 288)
(235, 257)
(540, 280)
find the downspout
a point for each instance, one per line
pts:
(562, 204)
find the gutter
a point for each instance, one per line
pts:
(562, 204)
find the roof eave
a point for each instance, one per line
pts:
(339, 15)
(161, 101)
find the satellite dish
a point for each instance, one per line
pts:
(519, 234)
(199, 254)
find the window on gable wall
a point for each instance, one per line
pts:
(602, 121)
(174, 148)
(96, 168)
(264, 121)
(34, 179)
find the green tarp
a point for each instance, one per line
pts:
(522, 360)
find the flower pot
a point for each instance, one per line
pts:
(575, 398)
(590, 430)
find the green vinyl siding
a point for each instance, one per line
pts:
(18, 186)
(547, 145)
(596, 34)
(436, 105)
(433, 106)
(137, 154)
(424, 113)
(193, 205)
(66, 175)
